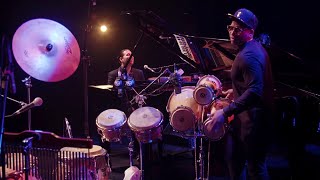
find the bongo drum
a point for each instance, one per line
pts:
(207, 88)
(109, 124)
(146, 124)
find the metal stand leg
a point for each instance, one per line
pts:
(141, 160)
(131, 149)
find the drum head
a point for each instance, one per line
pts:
(216, 133)
(145, 118)
(111, 118)
(203, 95)
(182, 119)
(185, 98)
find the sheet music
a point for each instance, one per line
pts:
(184, 46)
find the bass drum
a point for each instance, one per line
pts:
(217, 132)
(208, 87)
(183, 110)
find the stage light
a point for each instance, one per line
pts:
(103, 28)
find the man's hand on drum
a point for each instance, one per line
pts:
(228, 94)
(217, 121)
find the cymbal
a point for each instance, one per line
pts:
(46, 50)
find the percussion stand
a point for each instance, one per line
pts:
(26, 151)
(200, 161)
(27, 82)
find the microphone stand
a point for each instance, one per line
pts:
(86, 63)
(168, 66)
(6, 78)
(3, 111)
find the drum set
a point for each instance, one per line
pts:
(189, 114)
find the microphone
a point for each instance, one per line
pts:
(149, 68)
(176, 78)
(165, 37)
(36, 102)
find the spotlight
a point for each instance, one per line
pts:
(103, 28)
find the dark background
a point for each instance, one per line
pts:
(291, 26)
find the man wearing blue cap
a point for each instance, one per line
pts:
(247, 140)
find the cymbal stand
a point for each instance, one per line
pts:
(27, 82)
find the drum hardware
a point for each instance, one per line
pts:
(68, 127)
(139, 98)
(200, 161)
(27, 142)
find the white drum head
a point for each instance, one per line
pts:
(203, 95)
(182, 119)
(145, 118)
(111, 118)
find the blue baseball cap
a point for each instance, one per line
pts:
(245, 17)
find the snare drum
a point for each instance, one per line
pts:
(183, 109)
(109, 124)
(206, 89)
(146, 124)
(217, 132)
(83, 163)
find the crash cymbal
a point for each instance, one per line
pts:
(46, 50)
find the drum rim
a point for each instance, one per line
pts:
(209, 75)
